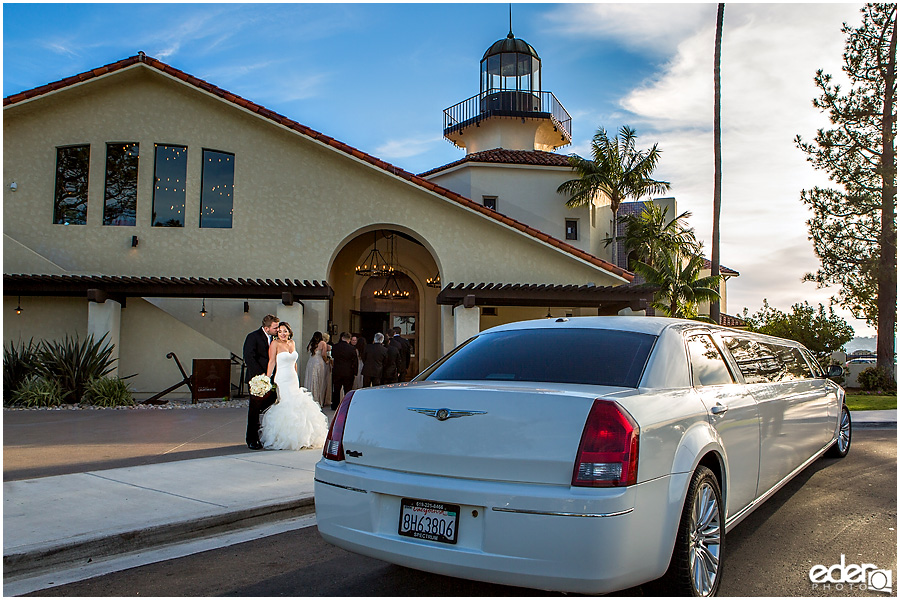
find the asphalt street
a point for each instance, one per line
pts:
(834, 507)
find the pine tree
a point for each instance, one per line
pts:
(854, 228)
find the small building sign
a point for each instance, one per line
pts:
(212, 378)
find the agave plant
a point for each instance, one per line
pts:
(38, 391)
(19, 363)
(74, 363)
(108, 391)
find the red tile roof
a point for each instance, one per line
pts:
(731, 321)
(723, 270)
(141, 58)
(509, 157)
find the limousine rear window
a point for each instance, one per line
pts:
(580, 356)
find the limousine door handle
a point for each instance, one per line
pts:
(719, 409)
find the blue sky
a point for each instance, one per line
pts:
(378, 76)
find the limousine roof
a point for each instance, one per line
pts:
(637, 324)
(650, 325)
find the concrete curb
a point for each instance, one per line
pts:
(50, 558)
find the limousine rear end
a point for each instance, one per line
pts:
(587, 455)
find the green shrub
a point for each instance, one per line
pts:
(108, 391)
(19, 362)
(38, 391)
(875, 378)
(75, 363)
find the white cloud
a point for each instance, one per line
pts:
(407, 147)
(61, 47)
(770, 54)
(649, 28)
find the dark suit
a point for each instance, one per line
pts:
(256, 358)
(402, 344)
(390, 369)
(373, 364)
(344, 371)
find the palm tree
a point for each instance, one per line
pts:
(617, 171)
(714, 309)
(681, 288)
(651, 233)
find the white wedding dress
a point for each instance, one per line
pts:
(295, 421)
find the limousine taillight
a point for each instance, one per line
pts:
(608, 453)
(334, 443)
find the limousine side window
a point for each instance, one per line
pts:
(707, 364)
(794, 366)
(753, 361)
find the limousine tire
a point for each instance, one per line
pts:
(841, 445)
(696, 565)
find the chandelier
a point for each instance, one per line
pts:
(434, 282)
(374, 264)
(392, 289)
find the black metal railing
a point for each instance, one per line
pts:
(507, 103)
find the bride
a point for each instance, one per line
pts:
(295, 421)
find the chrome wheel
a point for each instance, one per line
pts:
(843, 441)
(844, 438)
(705, 540)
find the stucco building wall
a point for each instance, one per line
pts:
(299, 206)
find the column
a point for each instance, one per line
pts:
(106, 318)
(315, 318)
(448, 334)
(467, 323)
(293, 315)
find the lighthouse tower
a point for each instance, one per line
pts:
(511, 110)
(510, 131)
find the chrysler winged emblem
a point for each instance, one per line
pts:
(442, 414)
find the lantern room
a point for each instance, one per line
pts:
(511, 110)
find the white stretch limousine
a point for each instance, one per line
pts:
(588, 454)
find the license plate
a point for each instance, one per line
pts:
(425, 520)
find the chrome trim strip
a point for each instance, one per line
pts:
(745, 512)
(561, 514)
(343, 487)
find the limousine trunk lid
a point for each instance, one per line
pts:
(499, 432)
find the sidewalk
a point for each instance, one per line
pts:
(52, 521)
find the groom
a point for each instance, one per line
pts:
(256, 358)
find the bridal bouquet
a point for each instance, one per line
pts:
(260, 385)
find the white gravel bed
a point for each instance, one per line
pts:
(170, 405)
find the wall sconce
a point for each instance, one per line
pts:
(19, 306)
(203, 308)
(134, 241)
(13, 186)
(246, 306)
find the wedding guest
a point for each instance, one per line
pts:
(390, 369)
(360, 352)
(329, 366)
(345, 365)
(402, 345)
(373, 361)
(256, 359)
(314, 379)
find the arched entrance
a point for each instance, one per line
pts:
(380, 298)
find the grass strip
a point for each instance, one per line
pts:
(871, 402)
